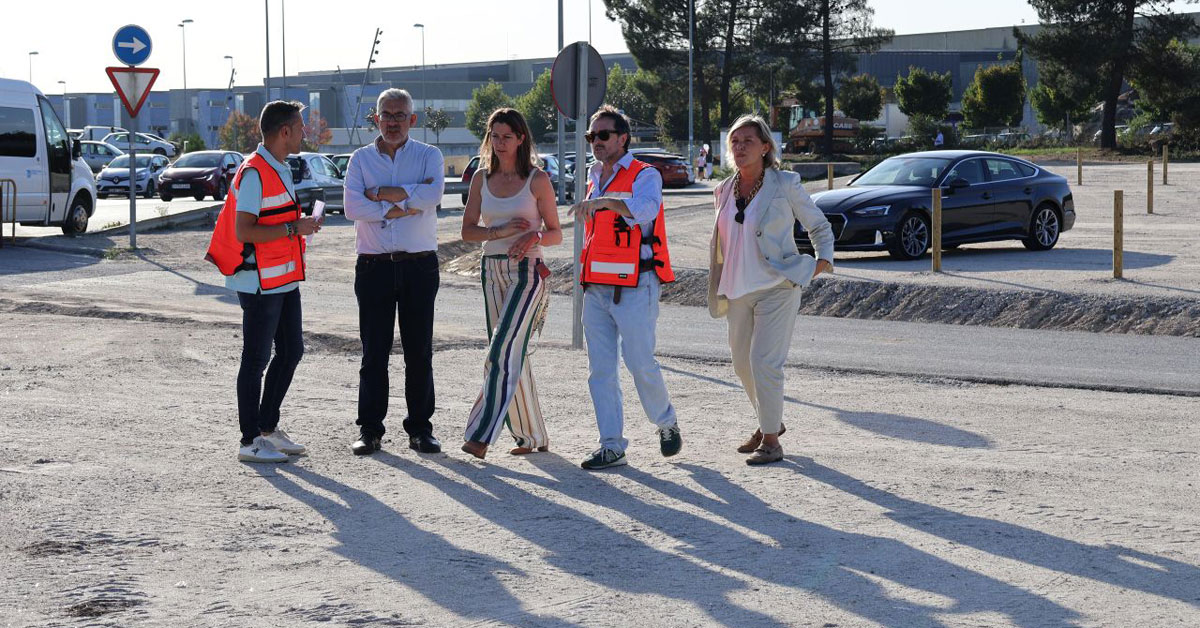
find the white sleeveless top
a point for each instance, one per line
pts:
(496, 211)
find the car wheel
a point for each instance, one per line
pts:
(220, 195)
(162, 196)
(1044, 228)
(198, 197)
(150, 192)
(912, 237)
(77, 218)
(160, 151)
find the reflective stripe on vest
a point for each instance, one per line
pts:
(612, 249)
(285, 255)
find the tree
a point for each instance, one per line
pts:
(484, 100)
(924, 93)
(627, 92)
(996, 96)
(1101, 40)
(861, 98)
(316, 132)
(240, 133)
(537, 105)
(656, 33)
(1168, 82)
(831, 34)
(436, 120)
(1061, 96)
(188, 142)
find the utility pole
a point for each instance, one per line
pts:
(366, 73)
(562, 128)
(267, 26)
(691, 77)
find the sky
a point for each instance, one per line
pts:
(77, 48)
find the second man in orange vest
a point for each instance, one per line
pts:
(619, 309)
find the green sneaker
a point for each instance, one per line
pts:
(604, 458)
(670, 441)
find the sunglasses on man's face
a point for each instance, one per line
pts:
(598, 135)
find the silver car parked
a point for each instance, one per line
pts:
(98, 154)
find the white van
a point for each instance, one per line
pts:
(97, 133)
(54, 186)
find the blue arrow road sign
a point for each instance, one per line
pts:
(131, 44)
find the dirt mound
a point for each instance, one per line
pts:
(1026, 309)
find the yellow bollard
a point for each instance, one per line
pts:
(829, 175)
(937, 230)
(1118, 233)
(1150, 187)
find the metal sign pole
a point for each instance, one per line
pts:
(133, 183)
(581, 174)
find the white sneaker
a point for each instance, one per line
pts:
(261, 450)
(280, 440)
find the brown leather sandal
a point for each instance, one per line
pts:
(756, 439)
(475, 448)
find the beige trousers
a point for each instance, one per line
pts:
(760, 333)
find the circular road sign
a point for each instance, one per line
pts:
(131, 45)
(564, 80)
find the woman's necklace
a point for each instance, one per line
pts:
(742, 202)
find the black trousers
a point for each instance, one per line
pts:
(390, 291)
(267, 319)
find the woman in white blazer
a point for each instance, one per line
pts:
(756, 273)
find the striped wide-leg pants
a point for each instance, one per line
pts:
(515, 297)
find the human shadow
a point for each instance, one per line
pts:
(199, 288)
(853, 571)
(1111, 564)
(891, 425)
(375, 536)
(587, 547)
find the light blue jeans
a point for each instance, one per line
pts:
(632, 323)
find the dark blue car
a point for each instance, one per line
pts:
(985, 197)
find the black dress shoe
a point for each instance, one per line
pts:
(366, 445)
(425, 443)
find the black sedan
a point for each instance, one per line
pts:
(985, 197)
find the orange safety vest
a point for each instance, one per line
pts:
(612, 249)
(278, 262)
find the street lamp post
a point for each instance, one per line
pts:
(187, 103)
(229, 89)
(424, 93)
(66, 109)
(31, 53)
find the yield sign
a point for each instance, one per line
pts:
(133, 85)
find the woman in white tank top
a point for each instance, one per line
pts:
(516, 204)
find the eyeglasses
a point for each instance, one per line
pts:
(393, 117)
(601, 135)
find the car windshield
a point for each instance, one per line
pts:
(199, 160)
(143, 161)
(916, 171)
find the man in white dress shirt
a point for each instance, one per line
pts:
(393, 188)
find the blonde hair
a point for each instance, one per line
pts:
(771, 159)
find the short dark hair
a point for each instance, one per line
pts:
(620, 122)
(276, 115)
